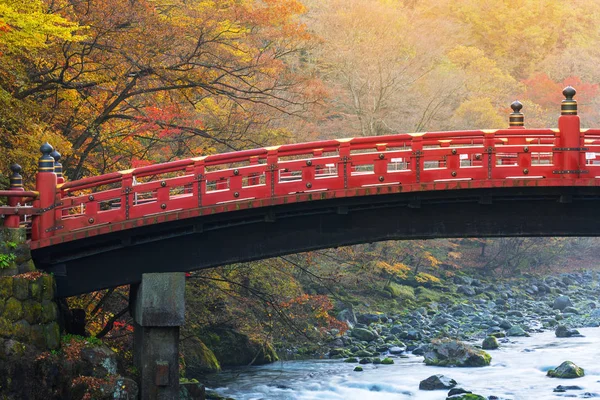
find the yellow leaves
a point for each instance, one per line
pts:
(398, 270)
(24, 25)
(479, 113)
(425, 278)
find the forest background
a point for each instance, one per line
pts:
(120, 84)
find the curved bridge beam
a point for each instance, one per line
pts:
(207, 241)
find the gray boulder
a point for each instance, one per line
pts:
(562, 302)
(448, 353)
(563, 332)
(437, 382)
(363, 334)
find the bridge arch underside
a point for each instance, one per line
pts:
(213, 240)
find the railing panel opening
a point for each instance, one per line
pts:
(363, 169)
(507, 159)
(180, 191)
(287, 175)
(434, 163)
(254, 180)
(144, 197)
(326, 171)
(398, 164)
(111, 204)
(217, 185)
(541, 158)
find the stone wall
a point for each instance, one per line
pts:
(28, 311)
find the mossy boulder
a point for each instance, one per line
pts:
(32, 311)
(48, 287)
(566, 370)
(6, 287)
(358, 369)
(490, 343)
(449, 353)
(7, 328)
(49, 311)
(13, 310)
(466, 396)
(351, 360)
(35, 290)
(233, 348)
(387, 361)
(20, 288)
(363, 334)
(52, 336)
(198, 358)
(22, 331)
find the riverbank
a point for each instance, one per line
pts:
(465, 308)
(517, 372)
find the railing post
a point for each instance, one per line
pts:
(45, 184)
(489, 144)
(417, 157)
(570, 136)
(16, 184)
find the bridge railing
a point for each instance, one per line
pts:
(288, 173)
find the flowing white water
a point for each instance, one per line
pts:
(518, 371)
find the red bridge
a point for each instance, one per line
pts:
(202, 212)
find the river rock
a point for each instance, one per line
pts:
(467, 396)
(516, 331)
(437, 382)
(347, 316)
(448, 352)
(368, 319)
(466, 290)
(563, 332)
(566, 370)
(562, 302)
(99, 361)
(490, 343)
(562, 389)
(397, 349)
(363, 334)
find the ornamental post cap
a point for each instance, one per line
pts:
(516, 119)
(56, 155)
(516, 106)
(569, 92)
(46, 149)
(16, 169)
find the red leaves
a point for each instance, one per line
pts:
(541, 89)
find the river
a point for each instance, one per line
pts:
(518, 371)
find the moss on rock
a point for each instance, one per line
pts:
(7, 328)
(233, 348)
(48, 287)
(49, 311)
(6, 287)
(20, 288)
(13, 310)
(52, 336)
(198, 358)
(566, 370)
(401, 292)
(448, 352)
(35, 290)
(32, 311)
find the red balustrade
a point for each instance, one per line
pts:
(567, 156)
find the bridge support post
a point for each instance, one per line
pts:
(158, 307)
